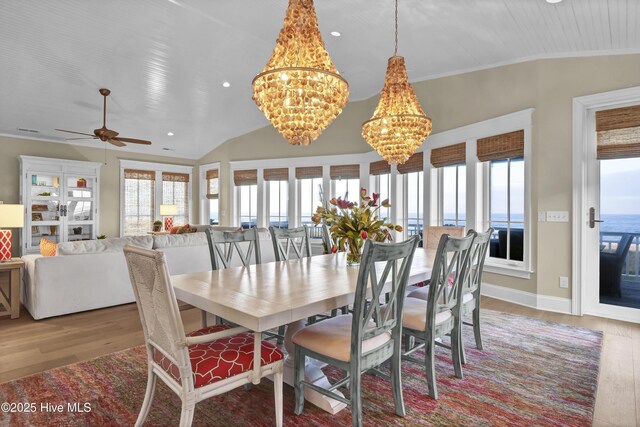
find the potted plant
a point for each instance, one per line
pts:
(157, 226)
(352, 223)
(101, 237)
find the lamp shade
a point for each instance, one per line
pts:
(11, 216)
(168, 210)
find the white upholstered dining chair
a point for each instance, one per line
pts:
(201, 364)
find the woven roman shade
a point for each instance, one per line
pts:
(245, 177)
(277, 174)
(502, 146)
(139, 174)
(618, 132)
(212, 184)
(309, 172)
(380, 167)
(414, 164)
(175, 177)
(448, 156)
(344, 172)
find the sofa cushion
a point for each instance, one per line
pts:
(114, 244)
(179, 240)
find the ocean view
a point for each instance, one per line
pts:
(620, 223)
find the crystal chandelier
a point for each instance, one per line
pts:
(398, 126)
(299, 90)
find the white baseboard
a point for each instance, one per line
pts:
(528, 299)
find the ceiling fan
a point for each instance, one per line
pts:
(104, 134)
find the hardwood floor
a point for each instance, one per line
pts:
(29, 346)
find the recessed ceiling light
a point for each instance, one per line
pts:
(335, 33)
(170, 133)
(226, 84)
(553, 1)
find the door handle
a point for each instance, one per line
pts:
(592, 218)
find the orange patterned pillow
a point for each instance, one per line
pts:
(48, 248)
(186, 229)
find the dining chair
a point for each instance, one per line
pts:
(432, 234)
(329, 243)
(292, 238)
(363, 340)
(425, 321)
(470, 291)
(201, 364)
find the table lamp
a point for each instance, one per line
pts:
(11, 216)
(168, 211)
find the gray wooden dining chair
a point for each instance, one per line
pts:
(438, 316)
(329, 243)
(201, 364)
(363, 340)
(290, 243)
(470, 291)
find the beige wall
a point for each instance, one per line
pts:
(11, 148)
(546, 85)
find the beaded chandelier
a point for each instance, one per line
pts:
(398, 126)
(299, 90)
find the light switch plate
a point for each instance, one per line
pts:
(542, 216)
(557, 216)
(564, 282)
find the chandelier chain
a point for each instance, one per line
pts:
(395, 51)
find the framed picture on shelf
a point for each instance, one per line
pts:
(36, 216)
(39, 208)
(34, 230)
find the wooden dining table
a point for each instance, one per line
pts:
(264, 296)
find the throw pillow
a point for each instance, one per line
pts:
(186, 229)
(48, 248)
(174, 229)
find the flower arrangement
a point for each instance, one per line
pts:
(352, 223)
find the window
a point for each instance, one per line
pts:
(413, 173)
(380, 173)
(310, 196)
(345, 182)
(175, 191)
(453, 204)
(277, 182)
(139, 208)
(213, 195)
(246, 182)
(505, 194)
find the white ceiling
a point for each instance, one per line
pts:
(165, 60)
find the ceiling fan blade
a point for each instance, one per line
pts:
(72, 131)
(134, 141)
(77, 139)
(116, 142)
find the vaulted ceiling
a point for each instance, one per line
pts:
(165, 60)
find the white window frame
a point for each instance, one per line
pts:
(267, 190)
(440, 209)
(204, 202)
(158, 168)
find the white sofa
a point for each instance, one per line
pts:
(93, 274)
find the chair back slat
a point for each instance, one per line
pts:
(157, 304)
(384, 268)
(223, 245)
(476, 260)
(285, 239)
(450, 272)
(327, 240)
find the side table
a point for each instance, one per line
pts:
(10, 301)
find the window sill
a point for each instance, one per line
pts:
(508, 270)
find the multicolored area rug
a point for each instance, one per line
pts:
(531, 373)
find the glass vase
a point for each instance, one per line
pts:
(354, 252)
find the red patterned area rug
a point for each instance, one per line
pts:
(531, 373)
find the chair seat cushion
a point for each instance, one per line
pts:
(220, 359)
(422, 293)
(414, 314)
(332, 337)
(468, 297)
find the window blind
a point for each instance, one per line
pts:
(139, 174)
(245, 177)
(139, 194)
(309, 172)
(380, 167)
(175, 191)
(414, 164)
(344, 172)
(212, 184)
(501, 146)
(448, 156)
(618, 132)
(276, 174)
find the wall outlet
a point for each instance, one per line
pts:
(558, 216)
(542, 216)
(564, 282)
